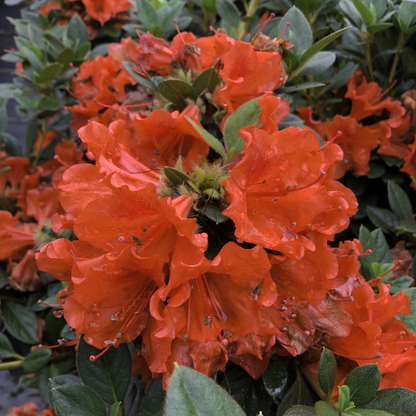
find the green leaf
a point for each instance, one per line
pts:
(399, 201)
(35, 36)
(328, 5)
(344, 397)
(32, 133)
(6, 349)
(36, 360)
(192, 393)
(276, 376)
(34, 59)
(401, 283)
(246, 115)
(214, 213)
(60, 381)
(409, 226)
(378, 27)
(367, 412)
(99, 50)
(409, 321)
(109, 374)
(77, 31)
(291, 60)
(145, 82)
(175, 176)
(317, 64)
(20, 322)
(228, 12)
(299, 26)
(297, 394)
(77, 400)
(82, 51)
(66, 57)
(207, 80)
(248, 393)
(211, 140)
(176, 91)
(327, 371)
(49, 73)
(408, 9)
(153, 400)
(292, 121)
(341, 77)
(382, 218)
(52, 104)
(366, 15)
(299, 87)
(382, 253)
(300, 411)
(398, 401)
(3, 118)
(325, 409)
(115, 409)
(147, 14)
(367, 241)
(363, 382)
(321, 44)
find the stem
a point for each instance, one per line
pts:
(251, 11)
(43, 123)
(397, 55)
(11, 365)
(315, 104)
(367, 47)
(308, 375)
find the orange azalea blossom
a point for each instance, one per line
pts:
(29, 409)
(247, 75)
(275, 200)
(104, 10)
(162, 138)
(15, 236)
(100, 81)
(14, 170)
(24, 275)
(410, 162)
(355, 141)
(44, 10)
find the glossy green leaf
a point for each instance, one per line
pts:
(363, 382)
(401, 283)
(31, 133)
(291, 60)
(192, 393)
(399, 201)
(116, 409)
(366, 412)
(6, 349)
(317, 64)
(409, 226)
(154, 399)
(109, 374)
(211, 140)
(382, 253)
(291, 121)
(344, 397)
(20, 322)
(365, 13)
(66, 57)
(378, 27)
(299, 26)
(60, 381)
(328, 5)
(145, 82)
(327, 371)
(34, 59)
(52, 104)
(299, 87)
(175, 176)
(408, 9)
(36, 360)
(228, 12)
(208, 80)
(77, 400)
(298, 394)
(99, 50)
(300, 411)
(49, 73)
(325, 409)
(321, 44)
(147, 14)
(176, 91)
(246, 115)
(214, 213)
(382, 218)
(77, 31)
(276, 376)
(398, 401)
(367, 241)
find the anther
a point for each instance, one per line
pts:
(395, 267)
(58, 159)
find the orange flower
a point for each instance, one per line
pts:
(28, 409)
(16, 169)
(410, 162)
(162, 138)
(15, 236)
(280, 189)
(24, 275)
(104, 10)
(247, 75)
(44, 10)
(355, 141)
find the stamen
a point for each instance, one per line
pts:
(366, 253)
(63, 343)
(264, 24)
(213, 30)
(94, 357)
(284, 30)
(40, 302)
(73, 68)
(58, 159)
(337, 135)
(137, 31)
(179, 32)
(388, 89)
(71, 93)
(395, 267)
